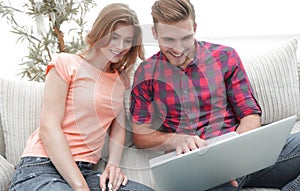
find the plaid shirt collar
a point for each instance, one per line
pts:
(198, 55)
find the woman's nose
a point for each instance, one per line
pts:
(120, 45)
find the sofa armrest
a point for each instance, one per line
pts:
(6, 173)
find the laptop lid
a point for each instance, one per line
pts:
(226, 158)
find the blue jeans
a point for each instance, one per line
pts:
(284, 174)
(36, 173)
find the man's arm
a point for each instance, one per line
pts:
(248, 123)
(145, 137)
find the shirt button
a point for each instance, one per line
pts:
(185, 91)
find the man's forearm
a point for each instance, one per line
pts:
(248, 123)
(156, 140)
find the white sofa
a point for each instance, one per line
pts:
(274, 75)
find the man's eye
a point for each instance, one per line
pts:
(169, 40)
(187, 38)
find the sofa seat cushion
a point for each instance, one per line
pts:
(135, 164)
(296, 127)
(20, 114)
(6, 173)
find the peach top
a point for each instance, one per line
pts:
(93, 101)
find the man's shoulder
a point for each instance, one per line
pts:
(150, 62)
(152, 59)
(213, 47)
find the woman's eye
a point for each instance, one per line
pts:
(114, 37)
(128, 41)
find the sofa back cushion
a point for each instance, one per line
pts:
(298, 66)
(2, 144)
(20, 111)
(274, 78)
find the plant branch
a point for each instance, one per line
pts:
(60, 36)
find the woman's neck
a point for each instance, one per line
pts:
(99, 61)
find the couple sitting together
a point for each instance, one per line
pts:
(187, 92)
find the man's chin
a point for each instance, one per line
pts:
(177, 61)
(178, 64)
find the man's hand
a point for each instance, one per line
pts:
(185, 143)
(115, 178)
(234, 183)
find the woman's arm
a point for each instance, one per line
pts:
(52, 135)
(112, 170)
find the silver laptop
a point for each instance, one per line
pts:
(226, 157)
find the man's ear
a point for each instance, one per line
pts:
(154, 32)
(195, 27)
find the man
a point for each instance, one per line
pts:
(191, 91)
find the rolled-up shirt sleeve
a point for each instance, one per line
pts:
(239, 90)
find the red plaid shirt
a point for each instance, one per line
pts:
(208, 98)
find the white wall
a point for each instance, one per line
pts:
(216, 19)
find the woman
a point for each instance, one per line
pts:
(83, 98)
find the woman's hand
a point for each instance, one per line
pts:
(115, 177)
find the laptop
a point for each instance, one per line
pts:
(225, 158)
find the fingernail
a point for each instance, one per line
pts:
(109, 186)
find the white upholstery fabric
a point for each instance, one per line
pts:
(298, 66)
(274, 78)
(296, 127)
(135, 164)
(6, 173)
(130, 73)
(20, 110)
(2, 144)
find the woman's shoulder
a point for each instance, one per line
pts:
(67, 59)
(66, 64)
(65, 56)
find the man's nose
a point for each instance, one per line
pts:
(178, 46)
